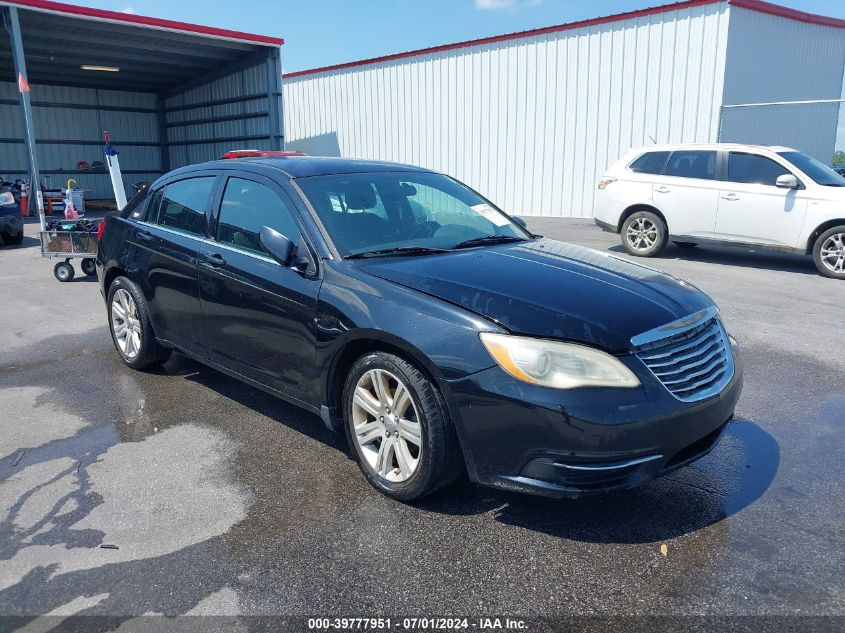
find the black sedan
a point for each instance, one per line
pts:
(431, 327)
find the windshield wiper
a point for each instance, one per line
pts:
(398, 250)
(488, 239)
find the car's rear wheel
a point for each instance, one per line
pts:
(398, 429)
(829, 253)
(644, 234)
(131, 330)
(15, 240)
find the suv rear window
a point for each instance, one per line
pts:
(649, 163)
(699, 164)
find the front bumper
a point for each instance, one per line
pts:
(569, 443)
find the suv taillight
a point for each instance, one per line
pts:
(101, 228)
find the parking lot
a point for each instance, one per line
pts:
(186, 492)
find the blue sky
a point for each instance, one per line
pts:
(323, 32)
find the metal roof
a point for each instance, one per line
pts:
(152, 54)
(753, 5)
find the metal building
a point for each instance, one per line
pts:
(532, 119)
(169, 93)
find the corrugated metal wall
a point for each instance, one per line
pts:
(240, 99)
(532, 122)
(771, 58)
(75, 121)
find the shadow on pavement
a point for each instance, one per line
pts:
(729, 256)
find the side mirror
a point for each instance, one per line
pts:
(518, 220)
(277, 245)
(787, 181)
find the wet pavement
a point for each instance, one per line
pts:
(215, 498)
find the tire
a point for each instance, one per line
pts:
(685, 244)
(644, 234)
(89, 266)
(438, 462)
(139, 349)
(64, 272)
(14, 240)
(829, 252)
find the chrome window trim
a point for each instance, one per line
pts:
(205, 240)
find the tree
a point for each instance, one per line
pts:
(838, 158)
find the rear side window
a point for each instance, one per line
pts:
(754, 169)
(692, 164)
(183, 203)
(649, 163)
(246, 207)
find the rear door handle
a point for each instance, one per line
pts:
(215, 259)
(145, 236)
(663, 190)
(730, 196)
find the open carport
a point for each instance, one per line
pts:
(169, 93)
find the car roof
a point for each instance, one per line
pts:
(305, 166)
(714, 146)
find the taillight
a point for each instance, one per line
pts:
(101, 228)
(604, 182)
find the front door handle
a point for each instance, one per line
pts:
(663, 190)
(215, 259)
(145, 236)
(730, 196)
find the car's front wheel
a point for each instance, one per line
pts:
(644, 234)
(131, 329)
(398, 429)
(829, 252)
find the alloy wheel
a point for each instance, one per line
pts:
(125, 323)
(833, 253)
(642, 234)
(386, 425)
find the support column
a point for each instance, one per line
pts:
(275, 112)
(26, 108)
(164, 148)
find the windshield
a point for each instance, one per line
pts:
(817, 170)
(381, 211)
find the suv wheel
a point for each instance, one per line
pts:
(14, 240)
(829, 253)
(644, 234)
(397, 428)
(131, 330)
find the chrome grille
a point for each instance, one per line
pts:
(694, 362)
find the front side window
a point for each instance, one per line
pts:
(649, 163)
(815, 169)
(246, 207)
(754, 169)
(183, 203)
(699, 164)
(388, 210)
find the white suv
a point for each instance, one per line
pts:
(765, 197)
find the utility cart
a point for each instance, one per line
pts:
(78, 242)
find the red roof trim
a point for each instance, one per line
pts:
(786, 12)
(141, 20)
(510, 36)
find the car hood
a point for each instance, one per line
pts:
(550, 289)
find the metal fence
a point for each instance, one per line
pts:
(812, 127)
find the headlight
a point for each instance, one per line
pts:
(556, 364)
